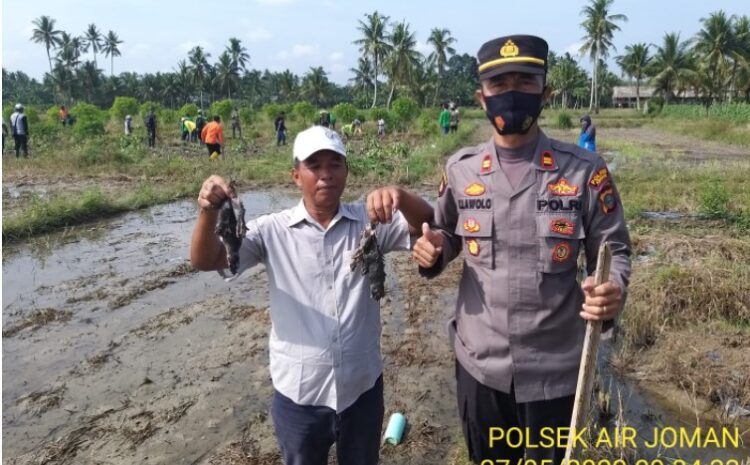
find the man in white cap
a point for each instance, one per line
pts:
(19, 126)
(326, 366)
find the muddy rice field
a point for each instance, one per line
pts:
(116, 352)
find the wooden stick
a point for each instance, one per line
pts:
(587, 370)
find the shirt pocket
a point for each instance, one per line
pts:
(559, 237)
(476, 230)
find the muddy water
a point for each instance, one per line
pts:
(114, 351)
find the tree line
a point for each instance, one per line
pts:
(715, 65)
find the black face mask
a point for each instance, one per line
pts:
(513, 112)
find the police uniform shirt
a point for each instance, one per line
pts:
(517, 314)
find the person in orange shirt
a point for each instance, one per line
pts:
(213, 136)
(63, 114)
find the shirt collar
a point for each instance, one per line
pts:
(299, 213)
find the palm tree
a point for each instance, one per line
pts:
(240, 57)
(566, 78)
(362, 80)
(599, 27)
(373, 44)
(90, 77)
(316, 86)
(441, 40)
(198, 68)
(403, 59)
(670, 65)
(741, 75)
(288, 85)
(45, 33)
(634, 63)
(227, 73)
(69, 51)
(93, 40)
(717, 47)
(111, 41)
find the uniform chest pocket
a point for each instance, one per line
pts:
(559, 237)
(476, 230)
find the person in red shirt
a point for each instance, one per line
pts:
(213, 136)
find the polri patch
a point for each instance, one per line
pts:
(474, 189)
(561, 252)
(473, 246)
(562, 226)
(471, 225)
(548, 161)
(486, 164)
(563, 188)
(608, 199)
(597, 179)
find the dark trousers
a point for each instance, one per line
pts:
(213, 148)
(280, 138)
(152, 139)
(306, 432)
(21, 144)
(482, 408)
(236, 127)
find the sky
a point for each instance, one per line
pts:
(299, 34)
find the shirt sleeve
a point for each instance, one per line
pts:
(446, 217)
(394, 236)
(604, 220)
(252, 250)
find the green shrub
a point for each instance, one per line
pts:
(123, 106)
(427, 123)
(89, 120)
(405, 111)
(345, 112)
(655, 106)
(714, 200)
(362, 116)
(272, 110)
(188, 110)
(247, 115)
(222, 108)
(147, 106)
(564, 121)
(304, 111)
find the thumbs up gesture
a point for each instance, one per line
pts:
(428, 248)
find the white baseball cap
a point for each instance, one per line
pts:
(314, 140)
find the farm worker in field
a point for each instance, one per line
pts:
(213, 136)
(520, 206)
(63, 115)
(150, 123)
(128, 125)
(333, 121)
(184, 131)
(347, 130)
(587, 140)
(357, 126)
(454, 118)
(324, 119)
(279, 125)
(444, 120)
(190, 126)
(326, 367)
(200, 123)
(236, 128)
(19, 127)
(381, 127)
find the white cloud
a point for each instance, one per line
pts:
(258, 35)
(574, 49)
(336, 57)
(337, 67)
(301, 50)
(190, 44)
(424, 48)
(139, 49)
(275, 2)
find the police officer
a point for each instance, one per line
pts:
(521, 206)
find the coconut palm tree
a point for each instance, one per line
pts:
(718, 48)
(240, 57)
(316, 86)
(111, 41)
(634, 63)
(287, 86)
(599, 26)
(373, 44)
(198, 68)
(69, 51)
(227, 73)
(403, 58)
(45, 33)
(93, 40)
(441, 41)
(670, 65)
(566, 77)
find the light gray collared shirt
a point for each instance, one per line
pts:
(325, 333)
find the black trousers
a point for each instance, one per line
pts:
(21, 145)
(152, 139)
(482, 408)
(213, 148)
(306, 432)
